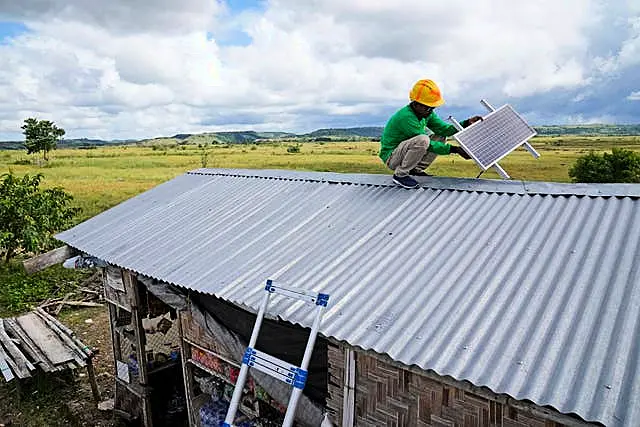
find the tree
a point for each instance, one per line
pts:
(29, 216)
(619, 166)
(41, 135)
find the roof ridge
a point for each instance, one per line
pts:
(438, 183)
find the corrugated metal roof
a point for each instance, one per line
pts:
(529, 289)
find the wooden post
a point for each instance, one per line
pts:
(131, 285)
(348, 405)
(187, 374)
(19, 390)
(115, 344)
(92, 380)
(115, 336)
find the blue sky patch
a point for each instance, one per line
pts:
(234, 37)
(10, 29)
(237, 6)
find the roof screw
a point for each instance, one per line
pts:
(520, 362)
(466, 347)
(608, 387)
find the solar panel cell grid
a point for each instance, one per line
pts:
(496, 136)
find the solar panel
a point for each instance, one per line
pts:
(499, 133)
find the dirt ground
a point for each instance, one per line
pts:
(66, 400)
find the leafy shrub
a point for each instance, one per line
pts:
(618, 166)
(29, 216)
(293, 148)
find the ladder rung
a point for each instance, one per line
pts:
(268, 364)
(263, 366)
(257, 354)
(277, 368)
(301, 294)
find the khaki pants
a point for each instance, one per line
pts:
(411, 154)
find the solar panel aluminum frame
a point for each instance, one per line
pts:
(494, 163)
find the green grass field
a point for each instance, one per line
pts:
(103, 177)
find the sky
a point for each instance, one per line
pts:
(143, 68)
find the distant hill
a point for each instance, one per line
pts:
(68, 143)
(556, 130)
(11, 145)
(330, 134)
(365, 132)
(248, 137)
(589, 130)
(237, 137)
(85, 142)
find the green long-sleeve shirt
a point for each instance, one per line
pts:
(404, 125)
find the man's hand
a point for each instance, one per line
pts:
(472, 120)
(460, 151)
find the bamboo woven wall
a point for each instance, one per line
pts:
(390, 396)
(335, 384)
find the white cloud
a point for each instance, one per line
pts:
(634, 96)
(139, 68)
(628, 52)
(573, 119)
(459, 43)
(131, 16)
(587, 120)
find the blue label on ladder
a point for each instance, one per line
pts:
(323, 299)
(247, 355)
(270, 287)
(300, 379)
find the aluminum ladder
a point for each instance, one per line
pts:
(279, 369)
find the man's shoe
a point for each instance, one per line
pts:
(416, 172)
(405, 181)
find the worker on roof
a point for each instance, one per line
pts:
(405, 147)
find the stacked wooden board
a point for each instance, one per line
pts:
(37, 340)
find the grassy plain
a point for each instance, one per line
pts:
(103, 177)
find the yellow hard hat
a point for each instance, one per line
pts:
(426, 92)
